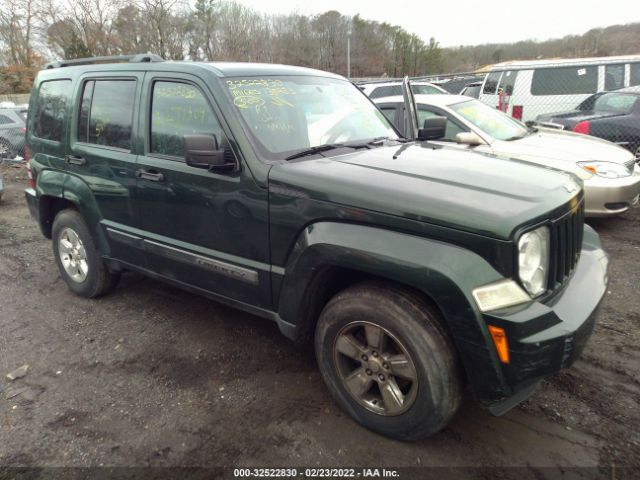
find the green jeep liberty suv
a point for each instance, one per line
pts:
(417, 270)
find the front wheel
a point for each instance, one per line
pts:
(388, 361)
(78, 260)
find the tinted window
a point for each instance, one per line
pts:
(472, 91)
(425, 90)
(491, 83)
(49, 115)
(635, 74)
(615, 102)
(613, 77)
(452, 128)
(388, 91)
(178, 109)
(565, 80)
(390, 113)
(106, 113)
(508, 81)
(4, 120)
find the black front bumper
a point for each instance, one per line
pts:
(549, 335)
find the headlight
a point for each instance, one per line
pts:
(533, 260)
(606, 169)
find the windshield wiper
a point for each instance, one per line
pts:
(313, 150)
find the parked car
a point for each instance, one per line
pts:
(12, 132)
(394, 87)
(610, 174)
(472, 89)
(526, 89)
(283, 191)
(614, 116)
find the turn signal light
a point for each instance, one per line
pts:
(500, 341)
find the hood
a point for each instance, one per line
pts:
(560, 149)
(479, 193)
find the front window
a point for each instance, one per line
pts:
(489, 120)
(292, 113)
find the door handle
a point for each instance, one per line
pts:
(76, 160)
(149, 175)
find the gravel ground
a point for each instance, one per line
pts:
(153, 376)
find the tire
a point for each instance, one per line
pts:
(411, 328)
(92, 278)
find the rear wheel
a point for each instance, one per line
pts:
(388, 361)
(79, 262)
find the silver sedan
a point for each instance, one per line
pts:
(610, 173)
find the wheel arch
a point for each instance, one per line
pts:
(332, 256)
(57, 191)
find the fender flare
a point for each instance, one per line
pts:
(443, 272)
(56, 184)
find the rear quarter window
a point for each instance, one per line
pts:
(50, 111)
(565, 80)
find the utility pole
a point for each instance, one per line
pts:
(349, 52)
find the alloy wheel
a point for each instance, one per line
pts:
(375, 368)
(73, 255)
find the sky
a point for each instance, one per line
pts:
(465, 22)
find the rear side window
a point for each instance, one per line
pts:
(50, 110)
(491, 83)
(106, 113)
(388, 91)
(634, 74)
(565, 80)
(4, 120)
(508, 81)
(613, 77)
(179, 109)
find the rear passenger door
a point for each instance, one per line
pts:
(207, 229)
(101, 153)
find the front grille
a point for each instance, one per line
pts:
(566, 243)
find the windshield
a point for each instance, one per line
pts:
(293, 113)
(490, 120)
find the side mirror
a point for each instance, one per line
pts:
(201, 151)
(469, 138)
(434, 128)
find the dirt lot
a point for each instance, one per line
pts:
(153, 376)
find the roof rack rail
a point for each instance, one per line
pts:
(138, 58)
